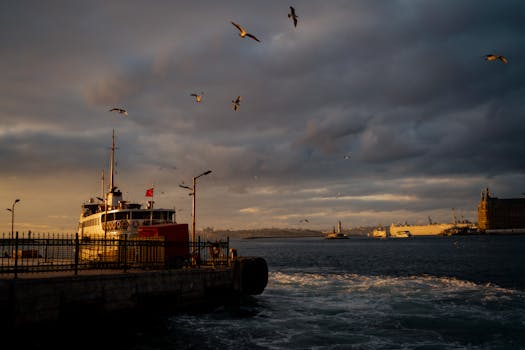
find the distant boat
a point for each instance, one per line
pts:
(400, 234)
(460, 230)
(336, 235)
(379, 232)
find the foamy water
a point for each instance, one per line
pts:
(428, 293)
(318, 311)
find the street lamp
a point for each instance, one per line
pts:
(12, 210)
(193, 193)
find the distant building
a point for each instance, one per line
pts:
(501, 215)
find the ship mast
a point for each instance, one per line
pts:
(114, 196)
(102, 188)
(112, 162)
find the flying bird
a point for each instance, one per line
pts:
(243, 32)
(304, 220)
(293, 16)
(491, 57)
(236, 103)
(119, 110)
(347, 157)
(198, 97)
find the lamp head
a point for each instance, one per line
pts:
(204, 173)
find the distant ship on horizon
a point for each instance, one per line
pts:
(431, 229)
(336, 234)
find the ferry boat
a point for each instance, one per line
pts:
(113, 217)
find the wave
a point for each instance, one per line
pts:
(403, 284)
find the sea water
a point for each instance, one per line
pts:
(459, 292)
(363, 293)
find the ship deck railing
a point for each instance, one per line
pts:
(37, 253)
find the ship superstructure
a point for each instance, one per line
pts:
(113, 217)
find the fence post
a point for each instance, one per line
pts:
(16, 255)
(125, 252)
(77, 247)
(228, 250)
(199, 254)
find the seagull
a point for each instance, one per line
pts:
(243, 32)
(119, 110)
(198, 97)
(491, 57)
(304, 220)
(293, 16)
(347, 157)
(236, 103)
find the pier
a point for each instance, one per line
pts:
(137, 277)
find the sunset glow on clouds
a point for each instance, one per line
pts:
(402, 86)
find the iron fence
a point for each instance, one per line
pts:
(36, 253)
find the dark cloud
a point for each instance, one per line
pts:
(402, 86)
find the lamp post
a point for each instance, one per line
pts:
(193, 193)
(12, 210)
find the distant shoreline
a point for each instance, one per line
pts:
(282, 236)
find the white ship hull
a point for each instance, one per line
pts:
(423, 230)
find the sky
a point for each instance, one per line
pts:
(367, 112)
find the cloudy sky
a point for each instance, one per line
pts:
(368, 112)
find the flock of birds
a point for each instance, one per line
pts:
(242, 33)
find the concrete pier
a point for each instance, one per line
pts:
(36, 300)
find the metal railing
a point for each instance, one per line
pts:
(36, 253)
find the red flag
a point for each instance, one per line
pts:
(149, 192)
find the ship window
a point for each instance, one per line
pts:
(157, 215)
(123, 215)
(140, 215)
(108, 217)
